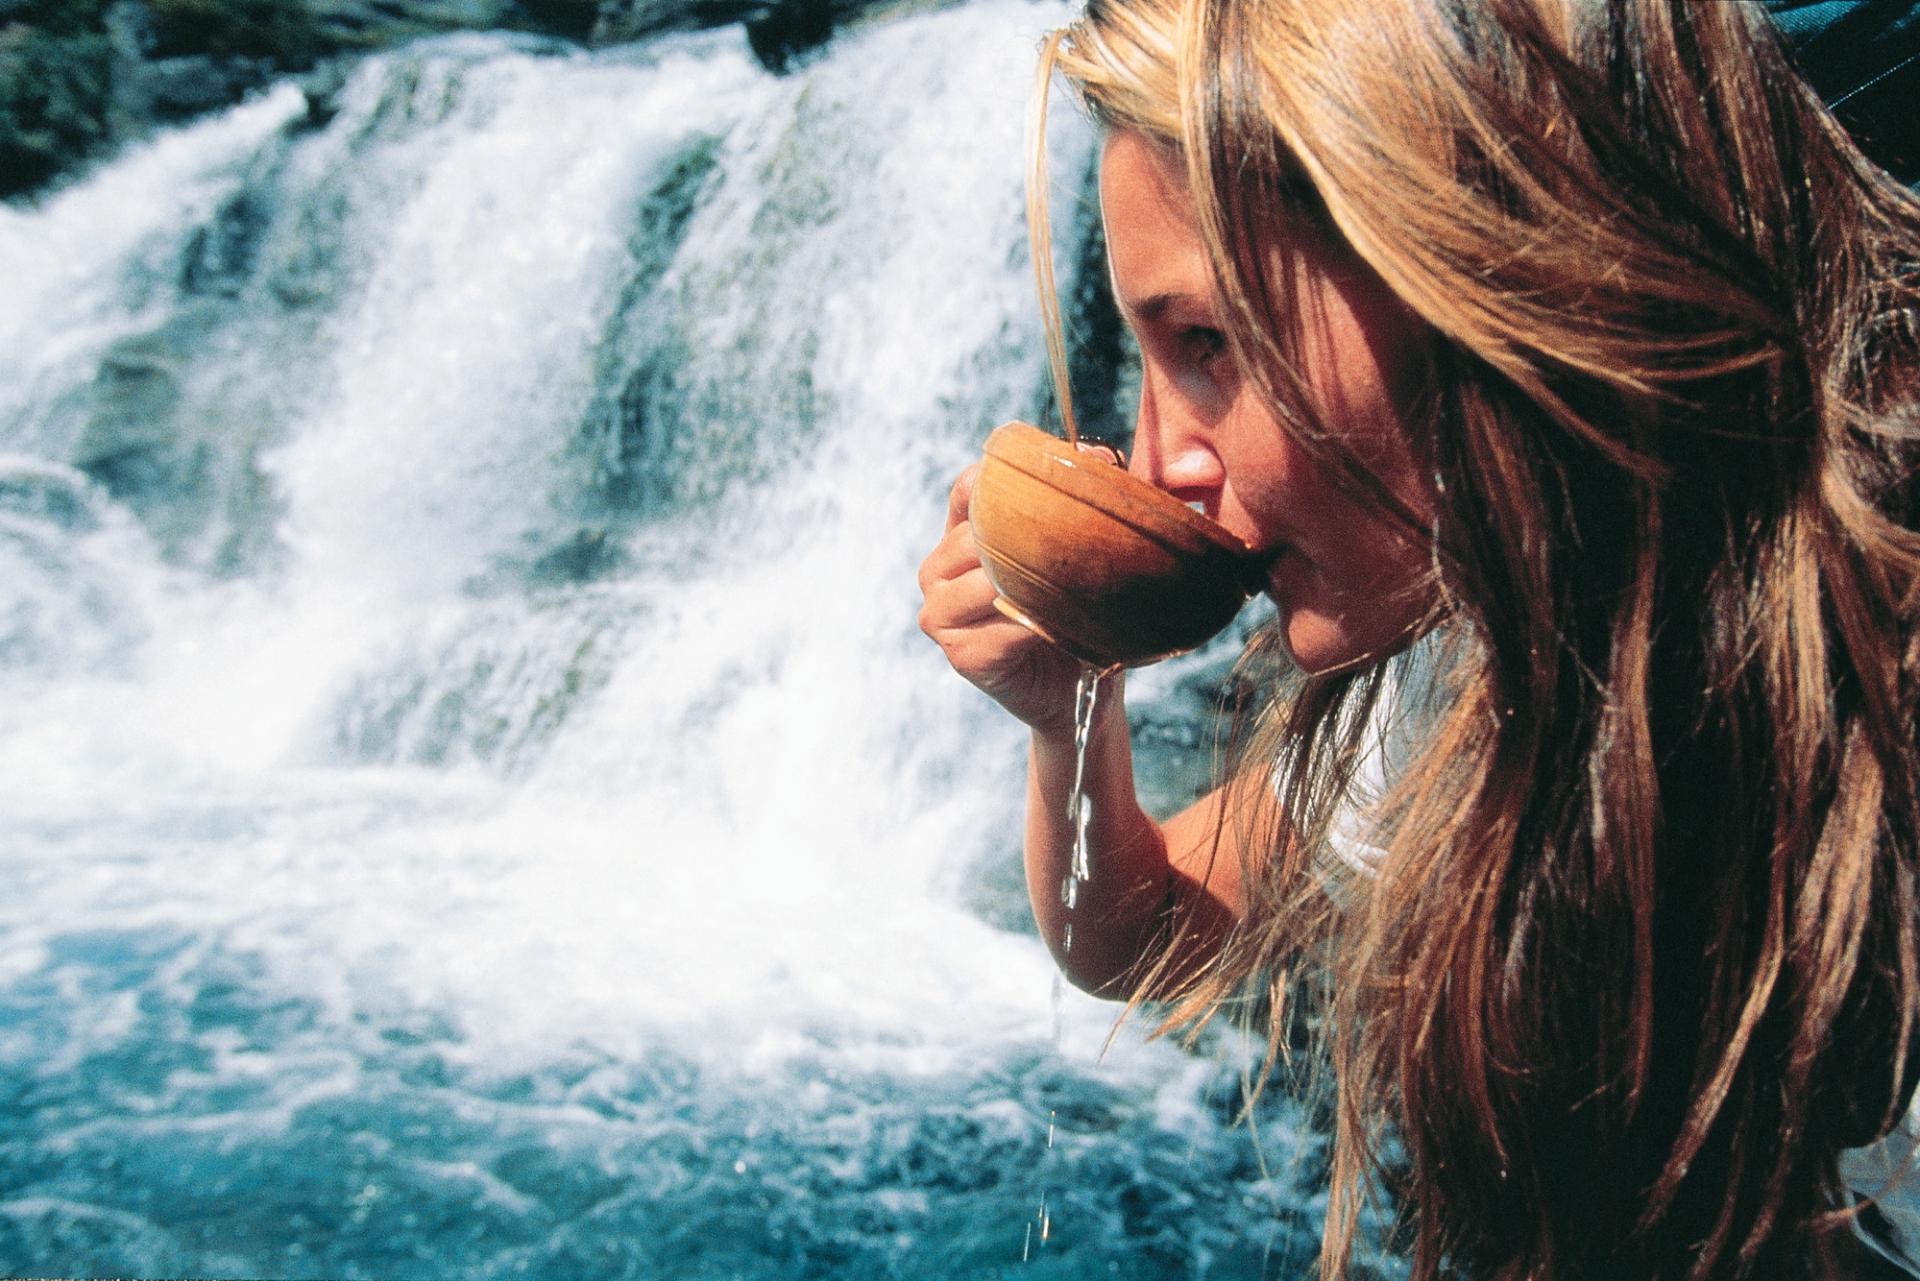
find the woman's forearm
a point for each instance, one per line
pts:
(1160, 897)
(1118, 910)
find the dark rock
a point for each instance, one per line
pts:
(179, 88)
(130, 444)
(130, 36)
(54, 99)
(624, 20)
(221, 255)
(374, 23)
(788, 30)
(60, 17)
(587, 555)
(286, 35)
(778, 30)
(1102, 361)
(619, 439)
(322, 87)
(187, 470)
(79, 77)
(569, 19)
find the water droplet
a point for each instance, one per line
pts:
(1082, 856)
(1080, 871)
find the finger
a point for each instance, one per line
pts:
(991, 646)
(963, 603)
(960, 497)
(951, 557)
(1004, 636)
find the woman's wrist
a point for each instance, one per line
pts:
(1059, 733)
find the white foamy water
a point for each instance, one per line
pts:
(495, 808)
(97, 261)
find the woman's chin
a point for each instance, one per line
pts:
(1321, 646)
(1315, 643)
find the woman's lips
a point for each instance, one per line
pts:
(1261, 565)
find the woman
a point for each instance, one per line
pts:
(1564, 359)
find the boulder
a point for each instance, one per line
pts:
(368, 24)
(568, 19)
(55, 94)
(620, 21)
(777, 30)
(180, 88)
(79, 77)
(159, 451)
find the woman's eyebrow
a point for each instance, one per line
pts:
(1153, 305)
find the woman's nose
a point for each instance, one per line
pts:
(1173, 450)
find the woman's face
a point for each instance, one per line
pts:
(1350, 583)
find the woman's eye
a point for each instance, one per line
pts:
(1202, 343)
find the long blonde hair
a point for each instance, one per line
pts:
(1644, 956)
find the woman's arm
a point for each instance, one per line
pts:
(1153, 884)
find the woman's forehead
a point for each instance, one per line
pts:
(1153, 239)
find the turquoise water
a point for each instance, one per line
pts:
(149, 1159)
(473, 798)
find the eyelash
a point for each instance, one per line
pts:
(1204, 341)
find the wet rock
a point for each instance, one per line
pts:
(322, 87)
(787, 31)
(81, 77)
(221, 255)
(622, 442)
(161, 447)
(131, 444)
(371, 23)
(47, 493)
(619, 21)
(54, 103)
(568, 19)
(180, 88)
(587, 555)
(286, 35)
(780, 32)
(136, 391)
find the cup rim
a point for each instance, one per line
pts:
(1006, 443)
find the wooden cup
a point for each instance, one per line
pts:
(1112, 570)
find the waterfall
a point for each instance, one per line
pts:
(476, 799)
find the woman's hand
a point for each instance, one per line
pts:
(1148, 896)
(1023, 673)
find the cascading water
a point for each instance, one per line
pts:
(476, 803)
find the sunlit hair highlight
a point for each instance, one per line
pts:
(1644, 956)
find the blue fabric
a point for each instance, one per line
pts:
(1863, 56)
